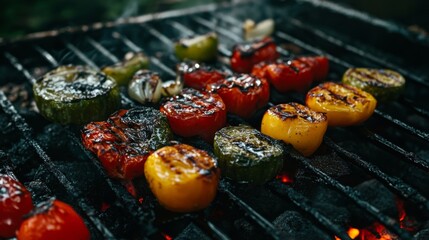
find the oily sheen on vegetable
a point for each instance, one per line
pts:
(15, 203)
(383, 84)
(125, 140)
(76, 94)
(247, 155)
(195, 113)
(344, 105)
(197, 75)
(182, 178)
(297, 125)
(53, 220)
(242, 94)
(122, 72)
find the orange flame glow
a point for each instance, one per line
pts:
(284, 178)
(352, 232)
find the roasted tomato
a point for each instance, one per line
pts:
(297, 125)
(383, 84)
(319, 66)
(53, 220)
(246, 55)
(194, 113)
(196, 75)
(242, 94)
(125, 140)
(286, 76)
(345, 105)
(182, 178)
(15, 202)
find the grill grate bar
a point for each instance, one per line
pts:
(26, 131)
(80, 54)
(352, 194)
(302, 202)
(410, 156)
(394, 183)
(415, 78)
(18, 66)
(47, 56)
(102, 49)
(214, 27)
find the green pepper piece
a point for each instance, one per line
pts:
(199, 48)
(247, 155)
(383, 84)
(76, 94)
(123, 71)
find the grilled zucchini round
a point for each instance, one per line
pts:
(76, 95)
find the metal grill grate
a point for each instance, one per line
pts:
(106, 45)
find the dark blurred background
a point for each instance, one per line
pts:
(19, 17)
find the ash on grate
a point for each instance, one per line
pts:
(294, 226)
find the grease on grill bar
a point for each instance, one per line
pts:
(376, 187)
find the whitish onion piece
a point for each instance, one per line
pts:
(254, 31)
(173, 87)
(146, 86)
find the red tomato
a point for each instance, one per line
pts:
(195, 113)
(196, 75)
(292, 75)
(319, 65)
(243, 94)
(15, 202)
(53, 220)
(245, 56)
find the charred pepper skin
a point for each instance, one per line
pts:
(243, 94)
(53, 220)
(383, 84)
(344, 105)
(123, 71)
(297, 125)
(197, 75)
(15, 202)
(247, 155)
(183, 178)
(200, 48)
(246, 55)
(126, 139)
(76, 95)
(195, 113)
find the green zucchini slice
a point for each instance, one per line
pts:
(247, 155)
(76, 95)
(383, 84)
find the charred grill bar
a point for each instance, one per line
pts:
(235, 211)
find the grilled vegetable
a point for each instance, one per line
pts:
(198, 48)
(383, 84)
(171, 88)
(195, 113)
(344, 105)
(297, 125)
(254, 31)
(145, 87)
(76, 94)
(53, 220)
(246, 155)
(183, 178)
(286, 76)
(319, 66)
(196, 75)
(242, 94)
(123, 71)
(15, 202)
(246, 55)
(125, 140)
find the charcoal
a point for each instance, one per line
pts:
(82, 175)
(117, 222)
(54, 139)
(294, 226)
(192, 232)
(40, 192)
(22, 153)
(246, 229)
(422, 235)
(330, 163)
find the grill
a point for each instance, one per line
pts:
(367, 177)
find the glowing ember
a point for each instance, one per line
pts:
(284, 178)
(352, 232)
(167, 237)
(377, 232)
(406, 222)
(141, 200)
(104, 206)
(131, 189)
